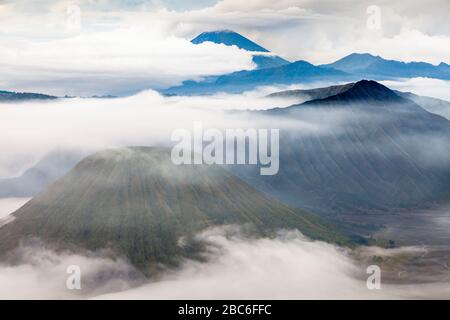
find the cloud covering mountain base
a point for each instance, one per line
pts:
(288, 266)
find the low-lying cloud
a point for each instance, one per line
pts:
(37, 127)
(38, 273)
(434, 88)
(288, 266)
(148, 119)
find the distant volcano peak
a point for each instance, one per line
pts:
(229, 38)
(262, 57)
(361, 92)
(371, 89)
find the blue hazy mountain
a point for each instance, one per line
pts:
(354, 62)
(353, 67)
(9, 96)
(230, 38)
(236, 82)
(367, 65)
(365, 149)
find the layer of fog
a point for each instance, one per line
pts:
(34, 272)
(434, 88)
(36, 128)
(288, 266)
(148, 119)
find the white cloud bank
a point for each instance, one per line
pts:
(148, 119)
(37, 127)
(120, 49)
(422, 86)
(38, 273)
(287, 267)
(120, 61)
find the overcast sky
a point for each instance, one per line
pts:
(90, 47)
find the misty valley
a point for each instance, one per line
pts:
(198, 164)
(349, 175)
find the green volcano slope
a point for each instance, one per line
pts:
(137, 203)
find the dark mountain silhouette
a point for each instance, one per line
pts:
(311, 94)
(433, 105)
(362, 92)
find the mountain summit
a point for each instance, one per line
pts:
(363, 91)
(262, 57)
(229, 38)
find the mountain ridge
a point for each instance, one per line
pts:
(366, 64)
(11, 96)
